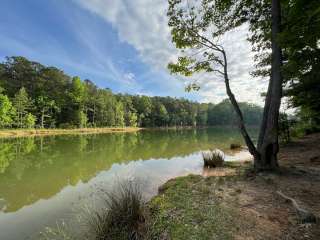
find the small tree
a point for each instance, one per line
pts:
(119, 114)
(45, 106)
(133, 118)
(22, 104)
(7, 112)
(29, 121)
(78, 96)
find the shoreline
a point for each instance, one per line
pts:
(16, 133)
(205, 206)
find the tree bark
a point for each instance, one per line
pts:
(268, 145)
(251, 147)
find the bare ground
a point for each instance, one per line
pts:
(261, 212)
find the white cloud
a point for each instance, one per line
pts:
(143, 24)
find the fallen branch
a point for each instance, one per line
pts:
(305, 216)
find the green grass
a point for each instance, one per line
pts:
(189, 208)
(122, 216)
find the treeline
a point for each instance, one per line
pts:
(34, 95)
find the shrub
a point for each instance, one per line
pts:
(213, 158)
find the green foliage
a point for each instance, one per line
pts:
(23, 104)
(119, 114)
(192, 31)
(7, 112)
(46, 109)
(55, 99)
(29, 121)
(299, 40)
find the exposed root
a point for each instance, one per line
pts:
(305, 216)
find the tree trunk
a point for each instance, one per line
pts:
(268, 146)
(265, 155)
(243, 130)
(42, 118)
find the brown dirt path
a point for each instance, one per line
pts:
(299, 178)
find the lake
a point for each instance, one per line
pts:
(46, 179)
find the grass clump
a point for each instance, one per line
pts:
(213, 158)
(122, 216)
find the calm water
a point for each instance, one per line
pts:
(43, 179)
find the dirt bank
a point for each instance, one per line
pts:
(237, 204)
(48, 132)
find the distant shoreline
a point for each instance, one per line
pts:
(13, 133)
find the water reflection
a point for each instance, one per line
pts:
(39, 167)
(44, 176)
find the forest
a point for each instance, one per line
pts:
(34, 95)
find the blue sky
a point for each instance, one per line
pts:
(123, 44)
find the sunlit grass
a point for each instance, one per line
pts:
(213, 158)
(119, 214)
(48, 132)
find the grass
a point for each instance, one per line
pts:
(122, 216)
(213, 158)
(189, 208)
(47, 132)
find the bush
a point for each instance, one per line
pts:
(213, 158)
(122, 216)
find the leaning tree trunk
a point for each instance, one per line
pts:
(268, 146)
(251, 147)
(265, 155)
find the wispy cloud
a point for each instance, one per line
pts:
(143, 24)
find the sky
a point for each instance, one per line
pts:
(123, 45)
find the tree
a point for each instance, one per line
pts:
(119, 114)
(196, 29)
(7, 112)
(91, 102)
(161, 115)
(130, 115)
(45, 107)
(143, 105)
(22, 103)
(78, 96)
(29, 121)
(202, 116)
(56, 99)
(105, 112)
(300, 39)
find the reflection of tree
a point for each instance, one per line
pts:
(41, 167)
(6, 156)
